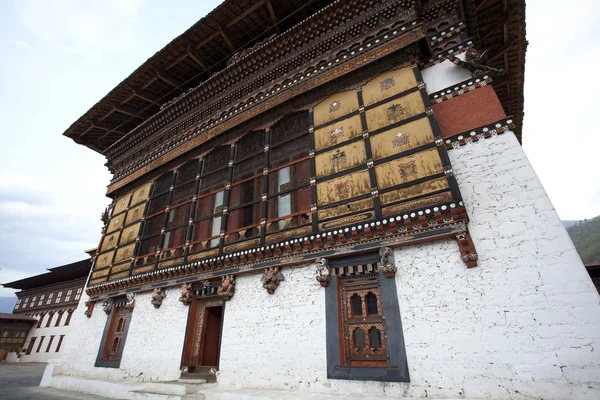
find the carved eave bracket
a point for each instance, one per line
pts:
(90, 308)
(186, 294)
(130, 304)
(387, 263)
(271, 279)
(227, 288)
(107, 305)
(468, 253)
(322, 271)
(158, 294)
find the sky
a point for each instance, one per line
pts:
(59, 57)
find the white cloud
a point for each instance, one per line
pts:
(23, 45)
(85, 27)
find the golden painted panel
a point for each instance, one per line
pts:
(409, 168)
(115, 222)
(141, 193)
(342, 209)
(340, 159)
(135, 214)
(204, 254)
(121, 204)
(119, 275)
(130, 233)
(241, 246)
(395, 111)
(414, 191)
(344, 187)
(121, 267)
(388, 84)
(402, 138)
(98, 274)
(109, 241)
(353, 219)
(279, 237)
(339, 132)
(104, 260)
(170, 263)
(335, 106)
(420, 203)
(124, 253)
(143, 269)
(96, 281)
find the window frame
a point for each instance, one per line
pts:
(397, 369)
(102, 359)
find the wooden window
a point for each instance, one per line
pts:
(50, 315)
(289, 173)
(60, 340)
(364, 330)
(361, 319)
(49, 343)
(69, 315)
(39, 324)
(31, 343)
(60, 314)
(40, 344)
(115, 333)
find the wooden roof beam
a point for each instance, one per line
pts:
(169, 79)
(132, 112)
(499, 24)
(502, 50)
(245, 13)
(481, 4)
(273, 16)
(149, 97)
(176, 61)
(196, 59)
(226, 39)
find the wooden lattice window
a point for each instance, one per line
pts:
(114, 337)
(363, 330)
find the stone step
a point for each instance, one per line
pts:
(149, 395)
(173, 387)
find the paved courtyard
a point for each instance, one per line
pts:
(21, 382)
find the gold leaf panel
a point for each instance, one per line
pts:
(342, 209)
(335, 106)
(98, 274)
(130, 233)
(339, 132)
(143, 269)
(141, 193)
(109, 241)
(395, 111)
(410, 168)
(96, 281)
(124, 253)
(414, 191)
(419, 203)
(121, 204)
(402, 138)
(115, 222)
(135, 214)
(340, 159)
(344, 187)
(388, 84)
(120, 267)
(119, 275)
(104, 260)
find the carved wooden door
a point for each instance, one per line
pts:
(115, 333)
(203, 336)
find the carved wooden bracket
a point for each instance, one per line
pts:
(158, 294)
(322, 266)
(387, 263)
(467, 249)
(186, 294)
(271, 279)
(227, 288)
(90, 308)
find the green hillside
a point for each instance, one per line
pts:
(586, 238)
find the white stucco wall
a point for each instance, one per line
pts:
(524, 323)
(444, 75)
(152, 349)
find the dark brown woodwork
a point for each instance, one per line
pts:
(115, 333)
(31, 343)
(203, 334)
(170, 79)
(149, 97)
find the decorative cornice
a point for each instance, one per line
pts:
(403, 229)
(459, 89)
(484, 132)
(371, 51)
